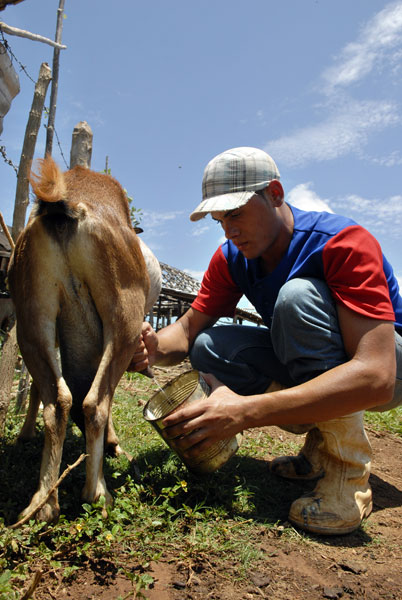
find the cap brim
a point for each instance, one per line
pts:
(223, 202)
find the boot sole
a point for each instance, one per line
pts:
(320, 530)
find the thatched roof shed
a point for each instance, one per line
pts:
(179, 290)
(5, 3)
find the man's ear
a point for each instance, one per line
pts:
(276, 192)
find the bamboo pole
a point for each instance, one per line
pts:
(55, 82)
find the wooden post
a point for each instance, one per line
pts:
(81, 145)
(28, 149)
(7, 366)
(23, 390)
(55, 82)
(159, 318)
(10, 347)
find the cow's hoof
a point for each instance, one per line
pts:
(49, 513)
(91, 498)
(116, 450)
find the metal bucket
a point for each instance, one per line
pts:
(188, 387)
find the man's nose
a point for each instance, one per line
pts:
(231, 231)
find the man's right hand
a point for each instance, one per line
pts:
(145, 354)
(171, 344)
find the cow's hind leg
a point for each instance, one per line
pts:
(96, 418)
(55, 415)
(112, 445)
(97, 411)
(28, 429)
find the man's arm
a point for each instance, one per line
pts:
(365, 380)
(171, 344)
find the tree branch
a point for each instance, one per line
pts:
(31, 36)
(50, 492)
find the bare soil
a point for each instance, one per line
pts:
(362, 565)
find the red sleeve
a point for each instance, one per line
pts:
(353, 268)
(218, 295)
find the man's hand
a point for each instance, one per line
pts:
(145, 354)
(198, 425)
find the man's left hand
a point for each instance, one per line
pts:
(198, 425)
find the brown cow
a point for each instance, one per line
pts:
(78, 280)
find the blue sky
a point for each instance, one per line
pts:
(168, 84)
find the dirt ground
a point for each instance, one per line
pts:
(365, 565)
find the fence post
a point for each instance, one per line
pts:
(81, 145)
(28, 150)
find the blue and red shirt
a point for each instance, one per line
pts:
(323, 245)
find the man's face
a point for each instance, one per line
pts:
(253, 228)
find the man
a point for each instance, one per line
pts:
(331, 350)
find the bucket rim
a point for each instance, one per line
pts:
(147, 413)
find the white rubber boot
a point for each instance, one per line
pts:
(342, 498)
(307, 464)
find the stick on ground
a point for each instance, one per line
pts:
(50, 492)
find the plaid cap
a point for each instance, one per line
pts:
(232, 178)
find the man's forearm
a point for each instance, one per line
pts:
(173, 345)
(342, 390)
(175, 340)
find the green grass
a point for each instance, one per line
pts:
(167, 511)
(390, 421)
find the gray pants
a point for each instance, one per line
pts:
(304, 340)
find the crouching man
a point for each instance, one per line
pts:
(331, 349)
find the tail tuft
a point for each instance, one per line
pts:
(49, 184)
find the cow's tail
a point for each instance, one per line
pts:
(48, 185)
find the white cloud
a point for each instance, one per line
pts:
(200, 229)
(206, 225)
(378, 39)
(342, 132)
(393, 159)
(348, 123)
(303, 197)
(383, 217)
(154, 219)
(156, 223)
(198, 275)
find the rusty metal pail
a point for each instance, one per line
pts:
(188, 387)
